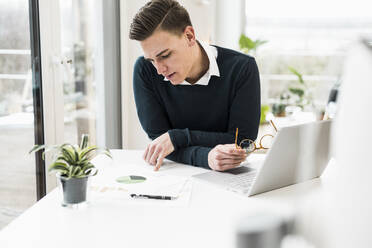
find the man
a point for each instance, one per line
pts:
(190, 96)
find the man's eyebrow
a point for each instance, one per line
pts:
(165, 50)
(157, 55)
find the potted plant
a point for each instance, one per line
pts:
(278, 108)
(296, 96)
(73, 166)
(299, 90)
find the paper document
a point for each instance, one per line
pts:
(107, 188)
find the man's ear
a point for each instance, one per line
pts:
(189, 34)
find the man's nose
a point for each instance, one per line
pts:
(160, 68)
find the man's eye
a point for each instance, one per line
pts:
(165, 56)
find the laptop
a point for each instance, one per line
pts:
(298, 153)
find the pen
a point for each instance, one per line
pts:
(158, 197)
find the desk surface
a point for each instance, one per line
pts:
(209, 220)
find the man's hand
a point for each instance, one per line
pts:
(224, 157)
(157, 150)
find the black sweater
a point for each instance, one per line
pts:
(199, 117)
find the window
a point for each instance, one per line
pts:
(17, 167)
(312, 37)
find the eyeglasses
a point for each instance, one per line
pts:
(250, 146)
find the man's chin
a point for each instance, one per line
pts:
(176, 82)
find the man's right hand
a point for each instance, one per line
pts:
(225, 157)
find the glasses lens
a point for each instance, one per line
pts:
(267, 141)
(247, 145)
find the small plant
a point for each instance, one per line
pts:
(299, 90)
(278, 108)
(248, 45)
(297, 94)
(73, 161)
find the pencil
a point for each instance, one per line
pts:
(272, 123)
(236, 138)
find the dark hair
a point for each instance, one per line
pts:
(167, 15)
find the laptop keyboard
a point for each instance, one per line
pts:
(238, 179)
(242, 182)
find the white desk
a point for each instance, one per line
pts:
(208, 221)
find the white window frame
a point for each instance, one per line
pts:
(109, 115)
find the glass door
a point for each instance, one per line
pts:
(67, 54)
(68, 30)
(17, 167)
(78, 47)
(81, 65)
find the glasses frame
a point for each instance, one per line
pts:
(254, 142)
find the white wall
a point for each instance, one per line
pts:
(216, 21)
(133, 135)
(202, 14)
(229, 22)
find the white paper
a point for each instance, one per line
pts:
(105, 188)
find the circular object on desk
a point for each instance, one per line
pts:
(130, 179)
(261, 230)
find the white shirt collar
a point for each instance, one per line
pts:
(213, 70)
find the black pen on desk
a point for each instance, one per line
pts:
(157, 197)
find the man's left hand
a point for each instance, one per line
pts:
(157, 150)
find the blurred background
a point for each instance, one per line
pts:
(87, 64)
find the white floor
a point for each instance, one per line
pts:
(17, 172)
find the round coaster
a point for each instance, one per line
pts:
(130, 179)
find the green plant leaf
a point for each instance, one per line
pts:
(63, 159)
(80, 176)
(95, 173)
(59, 166)
(55, 148)
(68, 154)
(299, 75)
(86, 152)
(76, 171)
(76, 154)
(246, 43)
(264, 110)
(82, 162)
(107, 153)
(297, 91)
(36, 148)
(70, 171)
(87, 167)
(84, 141)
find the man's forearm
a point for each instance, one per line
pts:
(194, 155)
(182, 138)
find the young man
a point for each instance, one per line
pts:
(190, 96)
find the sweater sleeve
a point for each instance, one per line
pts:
(194, 155)
(150, 111)
(244, 114)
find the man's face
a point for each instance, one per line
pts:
(170, 54)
